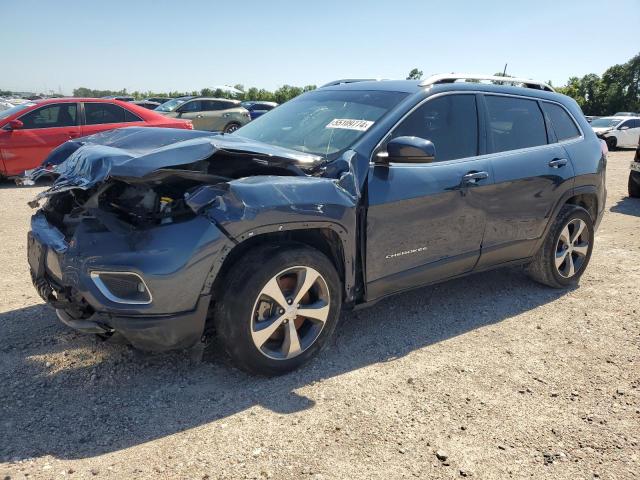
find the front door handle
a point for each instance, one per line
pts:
(199, 116)
(474, 177)
(558, 162)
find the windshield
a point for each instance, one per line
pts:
(171, 105)
(322, 122)
(605, 122)
(18, 108)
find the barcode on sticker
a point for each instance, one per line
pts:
(350, 124)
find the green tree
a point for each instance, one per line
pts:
(617, 90)
(415, 74)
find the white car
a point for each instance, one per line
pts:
(618, 131)
(4, 105)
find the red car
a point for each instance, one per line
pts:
(28, 132)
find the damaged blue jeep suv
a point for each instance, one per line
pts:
(338, 198)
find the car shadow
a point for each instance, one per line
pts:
(627, 206)
(72, 396)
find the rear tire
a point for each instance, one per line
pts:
(612, 143)
(232, 127)
(566, 250)
(634, 185)
(257, 318)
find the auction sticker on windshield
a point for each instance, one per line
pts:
(350, 124)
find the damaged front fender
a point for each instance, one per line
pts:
(253, 206)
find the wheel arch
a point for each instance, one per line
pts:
(587, 199)
(327, 237)
(585, 196)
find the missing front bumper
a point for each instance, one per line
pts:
(152, 333)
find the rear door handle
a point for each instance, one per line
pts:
(558, 162)
(474, 177)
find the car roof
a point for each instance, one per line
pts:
(44, 101)
(260, 101)
(216, 98)
(618, 117)
(413, 86)
(407, 86)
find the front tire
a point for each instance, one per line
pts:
(634, 184)
(279, 307)
(566, 250)
(612, 143)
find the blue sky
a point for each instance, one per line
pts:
(169, 45)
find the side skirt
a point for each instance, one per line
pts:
(373, 301)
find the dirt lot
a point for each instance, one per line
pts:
(508, 379)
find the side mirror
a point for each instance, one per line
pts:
(407, 150)
(624, 127)
(15, 124)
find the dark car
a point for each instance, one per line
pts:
(634, 175)
(159, 100)
(336, 199)
(119, 97)
(257, 109)
(148, 104)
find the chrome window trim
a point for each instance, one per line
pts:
(53, 105)
(486, 155)
(104, 290)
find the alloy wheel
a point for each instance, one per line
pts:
(572, 248)
(231, 128)
(290, 313)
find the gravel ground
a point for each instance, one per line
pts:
(491, 376)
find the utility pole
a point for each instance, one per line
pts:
(504, 72)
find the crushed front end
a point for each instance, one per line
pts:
(143, 276)
(121, 242)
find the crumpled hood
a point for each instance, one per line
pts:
(138, 151)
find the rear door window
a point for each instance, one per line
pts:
(98, 113)
(193, 106)
(450, 122)
(515, 123)
(212, 105)
(51, 116)
(562, 123)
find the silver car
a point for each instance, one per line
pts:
(211, 114)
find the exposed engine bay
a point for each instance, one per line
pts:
(124, 189)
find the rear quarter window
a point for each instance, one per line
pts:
(561, 122)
